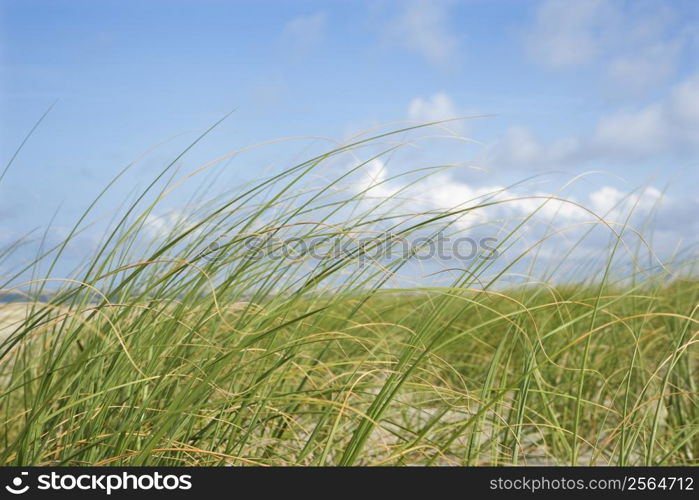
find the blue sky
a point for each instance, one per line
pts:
(569, 87)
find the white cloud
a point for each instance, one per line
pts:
(437, 192)
(567, 219)
(435, 108)
(614, 204)
(444, 192)
(637, 44)
(605, 198)
(519, 147)
(304, 32)
(422, 27)
(374, 181)
(645, 67)
(683, 105)
(668, 126)
(162, 226)
(568, 33)
(633, 133)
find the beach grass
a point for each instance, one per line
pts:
(191, 348)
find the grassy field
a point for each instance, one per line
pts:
(176, 351)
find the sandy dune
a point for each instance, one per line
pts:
(10, 316)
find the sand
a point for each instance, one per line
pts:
(10, 316)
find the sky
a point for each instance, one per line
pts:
(609, 89)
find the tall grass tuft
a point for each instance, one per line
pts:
(210, 342)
